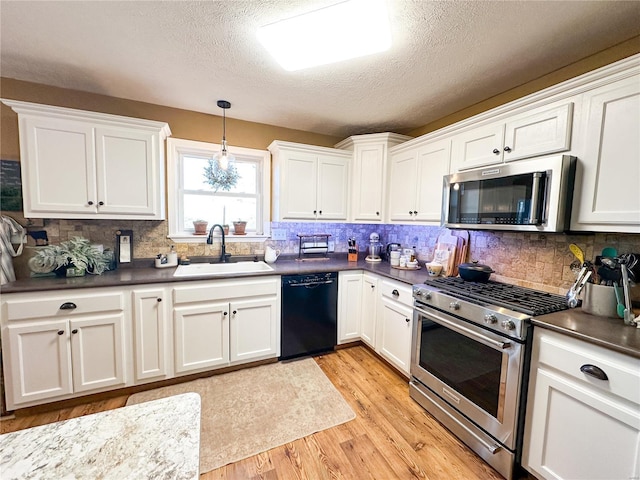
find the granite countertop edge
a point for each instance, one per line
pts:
(156, 439)
(609, 333)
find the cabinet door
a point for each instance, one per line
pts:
(539, 132)
(577, 433)
(608, 197)
(394, 340)
(369, 310)
(367, 194)
(97, 352)
(128, 174)
(433, 165)
(477, 147)
(349, 306)
(298, 192)
(333, 182)
(201, 336)
(254, 329)
(150, 334)
(58, 167)
(40, 365)
(402, 186)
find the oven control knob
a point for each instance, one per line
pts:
(490, 318)
(508, 325)
(454, 305)
(425, 294)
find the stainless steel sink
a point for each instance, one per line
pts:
(211, 269)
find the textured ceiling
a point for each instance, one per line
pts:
(445, 56)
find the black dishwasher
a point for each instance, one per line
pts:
(309, 314)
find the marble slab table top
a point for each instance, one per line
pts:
(153, 440)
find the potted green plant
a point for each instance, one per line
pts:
(72, 258)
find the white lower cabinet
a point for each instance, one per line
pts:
(369, 309)
(578, 425)
(61, 344)
(378, 311)
(349, 306)
(395, 318)
(150, 334)
(225, 322)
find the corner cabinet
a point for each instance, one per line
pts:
(87, 165)
(309, 182)
(415, 184)
(583, 411)
(608, 176)
(62, 344)
(369, 181)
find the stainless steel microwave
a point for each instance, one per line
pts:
(529, 195)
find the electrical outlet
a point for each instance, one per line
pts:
(279, 234)
(331, 246)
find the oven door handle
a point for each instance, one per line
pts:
(489, 342)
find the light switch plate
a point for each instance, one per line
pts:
(279, 234)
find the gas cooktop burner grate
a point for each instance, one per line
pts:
(520, 299)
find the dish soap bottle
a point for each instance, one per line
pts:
(172, 257)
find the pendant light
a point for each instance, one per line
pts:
(224, 158)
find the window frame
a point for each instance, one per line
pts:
(176, 148)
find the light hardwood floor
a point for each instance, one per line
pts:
(392, 437)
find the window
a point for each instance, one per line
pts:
(192, 198)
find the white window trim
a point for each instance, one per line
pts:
(175, 146)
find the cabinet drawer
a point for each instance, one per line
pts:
(226, 290)
(397, 291)
(567, 355)
(26, 307)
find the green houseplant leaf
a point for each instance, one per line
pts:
(77, 252)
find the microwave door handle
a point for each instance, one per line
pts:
(535, 199)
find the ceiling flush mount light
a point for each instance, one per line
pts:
(224, 158)
(350, 29)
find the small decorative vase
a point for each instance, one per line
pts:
(226, 229)
(239, 228)
(200, 228)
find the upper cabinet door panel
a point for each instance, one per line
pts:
(368, 184)
(478, 147)
(333, 182)
(126, 169)
(609, 197)
(299, 195)
(402, 185)
(433, 165)
(539, 133)
(60, 173)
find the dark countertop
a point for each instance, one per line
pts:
(610, 333)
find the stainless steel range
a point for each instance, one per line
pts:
(470, 360)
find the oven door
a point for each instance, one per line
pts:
(476, 371)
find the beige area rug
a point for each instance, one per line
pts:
(250, 411)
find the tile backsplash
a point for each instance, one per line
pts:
(536, 260)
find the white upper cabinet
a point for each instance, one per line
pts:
(415, 184)
(309, 182)
(539, 131)
(369, 181)
(78, 164)
(607, 197)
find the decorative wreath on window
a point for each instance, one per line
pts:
(219, 178)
